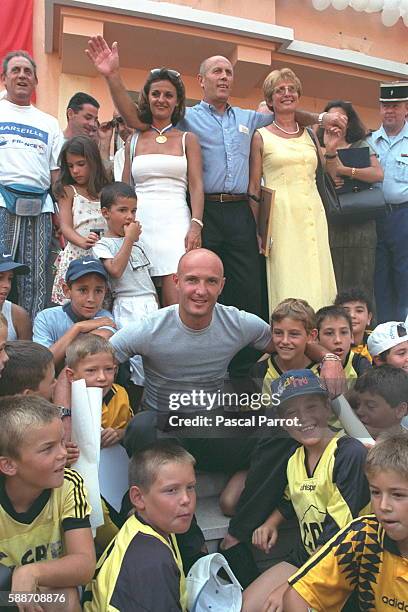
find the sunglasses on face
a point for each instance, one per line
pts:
(157, 71)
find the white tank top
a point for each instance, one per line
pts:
(6, 310)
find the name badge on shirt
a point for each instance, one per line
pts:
(243, 129)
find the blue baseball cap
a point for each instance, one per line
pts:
(86, 265)
(7, 263)
(295, 383)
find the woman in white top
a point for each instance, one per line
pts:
(163, 164)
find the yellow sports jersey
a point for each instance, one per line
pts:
(140, 570)
(116, 410)
(275, 372)
(356, 364)
(361, 558)
(328, 499)
(37, 535)
(362, 349)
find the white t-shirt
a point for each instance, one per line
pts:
(135, 280)
(30, 142)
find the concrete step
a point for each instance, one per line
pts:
(210, 484)
(213, 523)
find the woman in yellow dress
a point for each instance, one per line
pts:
(299, 264)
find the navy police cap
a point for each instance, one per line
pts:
(394, 92)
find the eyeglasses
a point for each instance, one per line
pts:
(157, 71)
(283, 89)
(401, 330)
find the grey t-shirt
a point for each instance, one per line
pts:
(179, 360)
(135, 280)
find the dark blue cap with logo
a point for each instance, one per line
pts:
(7, 264)
(86, 265)
(295, 383)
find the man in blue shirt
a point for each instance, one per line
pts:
(391, 265)
(225, 132)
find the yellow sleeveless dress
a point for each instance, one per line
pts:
(299, 263)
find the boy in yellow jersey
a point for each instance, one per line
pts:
(360, 309)
(45, 535)
(369, 557)
(292, 326)
(335, 333)
(141, 569)
(92, 358)
(326, 485)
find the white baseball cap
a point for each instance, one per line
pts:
(207, 591)
(386, 336)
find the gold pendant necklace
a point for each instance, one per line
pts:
(161, 138)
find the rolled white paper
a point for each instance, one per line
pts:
(86, 409)
(350, 421)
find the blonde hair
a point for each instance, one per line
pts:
(389, 453)
(274, 77)
(18, 415)
(144, 465)
(296, 309)
(85, 345)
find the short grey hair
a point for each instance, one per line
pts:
(19, 53)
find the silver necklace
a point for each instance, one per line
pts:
(161, 138)
(285, 131)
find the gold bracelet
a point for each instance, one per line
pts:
(353, 171)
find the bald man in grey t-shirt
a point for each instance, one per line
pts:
(186, 348)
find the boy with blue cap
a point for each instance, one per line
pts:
(85, 288)
(326, 485)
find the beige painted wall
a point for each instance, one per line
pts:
(55, 89)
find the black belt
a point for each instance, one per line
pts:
(225, 197)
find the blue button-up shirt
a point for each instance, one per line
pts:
(225, 144)
(393, 154)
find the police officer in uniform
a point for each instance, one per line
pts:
(391, 144)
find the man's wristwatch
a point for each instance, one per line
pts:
(320, 119)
